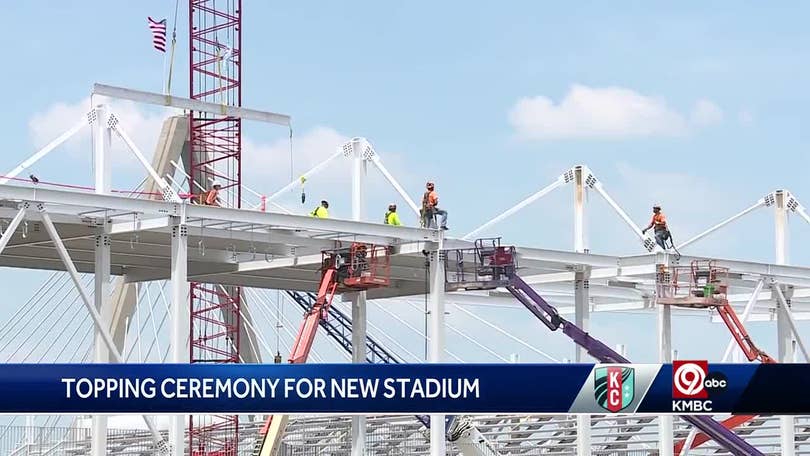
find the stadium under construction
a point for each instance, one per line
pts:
(153, 274)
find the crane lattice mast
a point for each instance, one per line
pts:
(215, 152)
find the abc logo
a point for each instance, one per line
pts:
(715, 382)
(692, 380)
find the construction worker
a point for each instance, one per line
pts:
(430, 208)
(391, 217)
(321, 211)
(212, 197)
(659, 225)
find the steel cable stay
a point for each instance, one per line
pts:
(465, 336)
(37, 307)
(418, 332)
(381, 334)
(507, 334)
(33, 321)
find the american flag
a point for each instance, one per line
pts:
(158, 29)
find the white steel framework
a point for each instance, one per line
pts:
(92, 232)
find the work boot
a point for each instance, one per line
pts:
(445, 228)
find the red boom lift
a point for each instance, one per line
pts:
(703, 284)
(357, 268)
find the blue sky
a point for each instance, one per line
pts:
(699, 107)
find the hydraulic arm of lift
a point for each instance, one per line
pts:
(274, 427)
(460, 430)
(707, 288)
(366, 268)
(495, 266)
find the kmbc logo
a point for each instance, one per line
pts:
(692, 384)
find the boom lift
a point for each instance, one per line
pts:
(703, 285)
(357, 268)
(490, 265)
(460, 430)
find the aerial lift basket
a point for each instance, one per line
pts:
(702, 284)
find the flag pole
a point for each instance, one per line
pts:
(171, 63)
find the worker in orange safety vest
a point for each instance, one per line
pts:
(659, 225)
(211, 197)
(430, 208)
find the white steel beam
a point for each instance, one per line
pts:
(375, 159)
(543, 192)
(600, 189)
(689, 440)
(188, 104)
(139, 224)
(46, 150)
(180, 323)
(12, 227)
(749, 307)
(306, 175)
(786, 312)
(168, 192)
(436, 343)
(384, 233)
(103, 306)
(97, 319)
(725, 222)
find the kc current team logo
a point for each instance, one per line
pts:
(614, 387)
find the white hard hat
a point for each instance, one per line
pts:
(216, 183)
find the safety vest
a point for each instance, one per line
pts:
(203, 197)
(391, 218)
(320, 212)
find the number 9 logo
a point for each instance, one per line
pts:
(688, 379)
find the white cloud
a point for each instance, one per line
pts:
(141, 124)
(606, 113)
(706, 113)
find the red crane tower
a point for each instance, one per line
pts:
(215, 152)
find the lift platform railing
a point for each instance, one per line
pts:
(495, 259)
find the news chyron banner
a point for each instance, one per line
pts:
(684, 387)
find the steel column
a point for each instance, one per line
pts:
(582, 317)
(359, 171)
(359, 356)
(438, 446)
(665, 432)
(101, 151)
(103, 176)
(104, 308)
(580, 199)
(180, 324)
(784, 337)
(581, 296)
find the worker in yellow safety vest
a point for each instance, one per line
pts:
(321, 211)
(391, 217)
